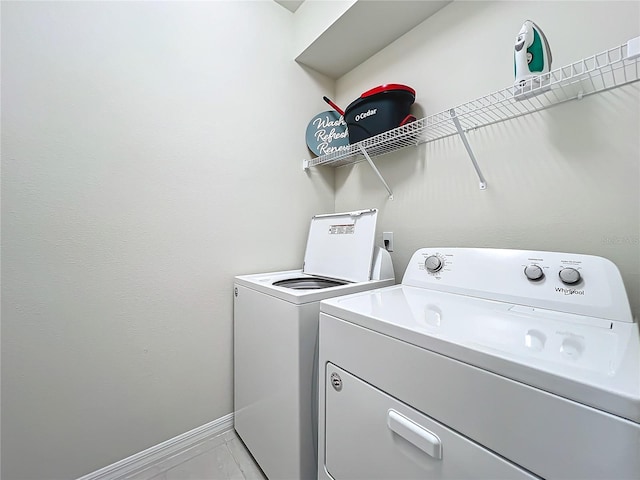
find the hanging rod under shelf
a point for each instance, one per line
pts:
(610, 69)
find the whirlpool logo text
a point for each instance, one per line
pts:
(569, 291)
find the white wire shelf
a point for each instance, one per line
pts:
(610, 69)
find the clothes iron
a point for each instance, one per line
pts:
(532, 61)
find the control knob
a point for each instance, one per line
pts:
(533, 272)
(433, 263)
(569, 276)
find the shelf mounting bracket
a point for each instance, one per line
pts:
(463, 136)
(375, 169)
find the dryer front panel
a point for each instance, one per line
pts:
(371, 435)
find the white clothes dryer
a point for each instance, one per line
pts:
(483, 363)
(275, 339)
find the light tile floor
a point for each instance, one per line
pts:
(223, 457)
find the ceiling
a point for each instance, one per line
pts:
(350, 40)
(291, 5)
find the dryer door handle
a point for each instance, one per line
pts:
(416, 434)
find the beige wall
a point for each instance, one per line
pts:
(566, 179)
(150, 152)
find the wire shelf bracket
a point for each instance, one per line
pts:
(377, 172)
(598, 73)
(463, 136)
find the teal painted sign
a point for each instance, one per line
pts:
(327, 133)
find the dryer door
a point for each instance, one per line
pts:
(371, 435)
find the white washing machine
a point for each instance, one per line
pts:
(276, 333)
(483, 363)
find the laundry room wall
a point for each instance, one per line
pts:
(564, 179)
(148, 156)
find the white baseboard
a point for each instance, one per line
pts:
(156, 454)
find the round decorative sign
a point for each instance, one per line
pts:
(327, 133)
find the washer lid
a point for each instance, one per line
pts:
(340, 245)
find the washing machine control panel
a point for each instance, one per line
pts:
(571, 283)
